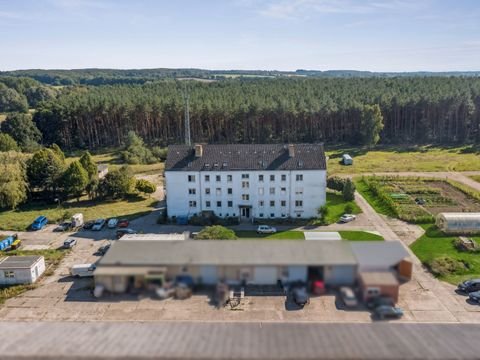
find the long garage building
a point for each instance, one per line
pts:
(130, 265)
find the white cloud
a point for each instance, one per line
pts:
(304, 8)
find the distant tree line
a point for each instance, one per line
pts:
(357, 111)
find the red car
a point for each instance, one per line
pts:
(123, 223)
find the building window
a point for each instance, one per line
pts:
(283, 191)
(272, 203)
(192, 191)
(261, 203)
(260, 178)
(192, 204)
(272, 191)
(298, 203)
(299, 215)
(207, 178)
(284, 177)
(191, 178)
(229, 178)
(207, 191)
(283, 203)
(299, 177)
(260, 215)
(299, 191)
(272, 177)
(230, 204)
(284, 215)
(207, 204)
(272, 215)
(260, 191)
(245, 197)
(245, 185)
(219, 204)
(229, 191)
(245, 176)
(9, 274)
(218, 178)
(218, 191)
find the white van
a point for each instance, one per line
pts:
(82, 270)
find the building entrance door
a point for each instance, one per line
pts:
(245, 213)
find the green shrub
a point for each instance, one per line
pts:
(446, 265)
(348, 208)
(216, 232)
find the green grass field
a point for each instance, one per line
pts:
(336, 207)
(20, 219)
(360, 236)
(475, 177)
(374, 201)
(394, 159)
(434, 244)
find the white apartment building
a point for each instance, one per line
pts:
(246, 180)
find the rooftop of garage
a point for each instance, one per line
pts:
(228, 252)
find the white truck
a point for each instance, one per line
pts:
(82, 270)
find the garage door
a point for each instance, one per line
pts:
(265, 275)
(209, 274)
(297, 273)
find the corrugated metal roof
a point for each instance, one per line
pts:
(379, 254)
(153, 237)
(218, 157)
(228, 252)
(18, 262)
(460, 215)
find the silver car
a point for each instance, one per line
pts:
(265, 229)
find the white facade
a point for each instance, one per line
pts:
(21, 274)
(246, 194)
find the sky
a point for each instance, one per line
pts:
(375, 35)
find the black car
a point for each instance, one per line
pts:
(300, 296)
(121, 232)
(103, 249)
(88, 225)
(375, 302)
(469, 286)
(475, 296)
(386, 311)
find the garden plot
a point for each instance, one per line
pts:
(419, 200)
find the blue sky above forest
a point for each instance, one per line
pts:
(376, 35)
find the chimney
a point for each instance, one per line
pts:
(291, 150)
(198, 150)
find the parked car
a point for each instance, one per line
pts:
(348, 296)
(380, 301)
(184, 279)
(98, 225)
(121, 232)
(112, 223)
(16, 244)
(63, 226)
(39, 223)
(102, 250)
(386, 311)
(88, 225)
(420, 201)
(123, 223)
(69, 243)
(469, 286)
(265, 229)
(475, 296)
(82, 270)
(345, 218)
(300, 296)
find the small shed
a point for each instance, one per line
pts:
(16, 270)
(347, 159)
(459, 222)
(379, 283)
(102, 170)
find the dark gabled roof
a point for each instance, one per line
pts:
(246, 157)
(228, 252)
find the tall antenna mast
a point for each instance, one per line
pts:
(186, 98)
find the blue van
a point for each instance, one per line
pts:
(39, 223)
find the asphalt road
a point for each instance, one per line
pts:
(186, 340)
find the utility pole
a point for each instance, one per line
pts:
(186, 98)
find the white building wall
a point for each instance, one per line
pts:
(23, 275)
(291, 196)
